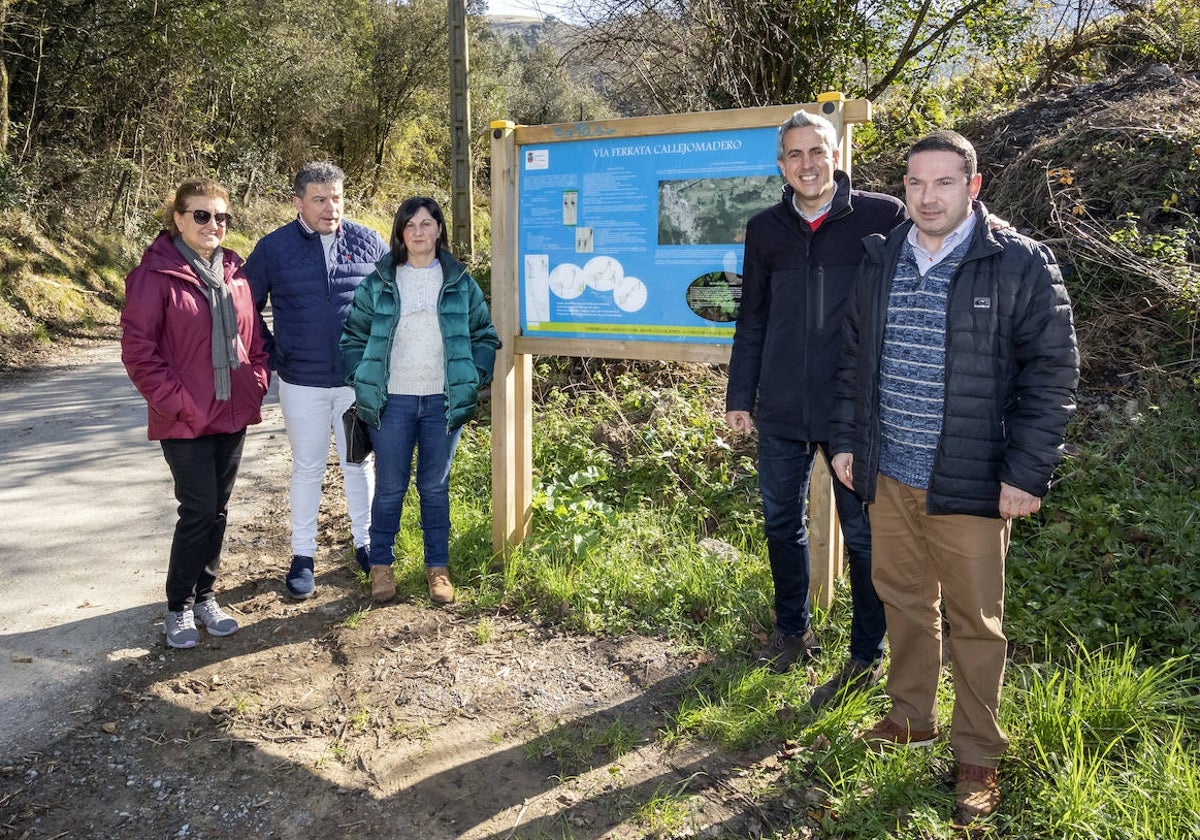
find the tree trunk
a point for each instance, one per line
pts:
(3, 84)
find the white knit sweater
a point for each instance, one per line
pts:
(418, 359)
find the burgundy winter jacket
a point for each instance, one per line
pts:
(166, 345)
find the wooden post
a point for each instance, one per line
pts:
(832, 106)
(462, 211)
(825, 556)
(512, 386)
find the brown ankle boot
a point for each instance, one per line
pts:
(976, 794)
(383, 583)
(441, 591)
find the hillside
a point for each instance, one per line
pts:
(1108, 173)
(520, 25)
(54, 289)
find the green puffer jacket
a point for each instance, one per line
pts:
(468, 336)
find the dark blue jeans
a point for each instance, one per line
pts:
(204, 469)
(784, 471)
(408, 424)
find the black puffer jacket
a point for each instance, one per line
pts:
(1012, 367)
(795, 286)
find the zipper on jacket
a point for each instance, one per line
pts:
(951, 290)
(445, 359)
(811, 281)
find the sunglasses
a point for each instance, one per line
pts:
(203, 217)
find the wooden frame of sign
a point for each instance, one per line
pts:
(512, 388)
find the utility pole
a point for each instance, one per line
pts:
(461, 210)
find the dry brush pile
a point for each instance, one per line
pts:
(1108, 174)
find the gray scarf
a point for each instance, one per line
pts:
(224, 317)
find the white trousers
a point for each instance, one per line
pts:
(308, 414)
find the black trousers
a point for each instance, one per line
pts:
(204, 469)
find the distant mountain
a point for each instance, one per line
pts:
(505, 25)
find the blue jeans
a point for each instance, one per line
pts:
(411, 423)
(784, 471)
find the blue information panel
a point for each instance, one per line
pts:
(640, 238)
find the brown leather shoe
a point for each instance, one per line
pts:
(441, 591)
(976, 794)
(888, 735)
(383, 583)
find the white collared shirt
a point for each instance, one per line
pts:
(927, 260)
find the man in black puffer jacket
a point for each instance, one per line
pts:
(802, 256)
(956, 383)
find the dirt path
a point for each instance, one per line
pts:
(334, 718)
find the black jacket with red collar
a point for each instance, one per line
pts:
(795, 286)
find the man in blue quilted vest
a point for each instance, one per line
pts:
(308, 271)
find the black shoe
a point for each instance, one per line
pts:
(855, 675)
(782, 651)
(362, 556)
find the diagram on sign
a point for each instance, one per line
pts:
(640, 237)
(568, 281)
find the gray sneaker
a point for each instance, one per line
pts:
(782, 650)
(855, 675)
(215, 620)
(180, 628)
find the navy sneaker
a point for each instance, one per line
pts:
(362, 555)
(300, 581)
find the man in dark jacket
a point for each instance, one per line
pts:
(308, 270)
(957, 380)
(802, 256)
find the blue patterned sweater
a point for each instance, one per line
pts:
(912, 367)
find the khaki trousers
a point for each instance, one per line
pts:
(921, 562)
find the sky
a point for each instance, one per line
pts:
(527, 8)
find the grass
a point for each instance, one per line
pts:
(485, 628)
(54, 285)
(635, 475)
(575, 748)
(1103, 747)
(355, 618)
(1109, 562)
(666, 812)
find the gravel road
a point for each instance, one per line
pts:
(86, 514)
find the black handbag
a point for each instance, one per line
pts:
(358, 441)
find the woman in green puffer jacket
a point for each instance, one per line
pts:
(417, 346)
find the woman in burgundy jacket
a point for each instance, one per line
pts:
(190, 341)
